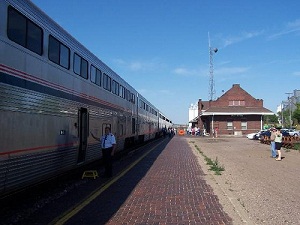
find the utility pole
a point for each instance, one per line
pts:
(282, 114)
(290, 107)
(212, 90)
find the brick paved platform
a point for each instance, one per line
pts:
(172, 192)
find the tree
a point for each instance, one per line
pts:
(285, 117)
(273, 119)
(296, 115)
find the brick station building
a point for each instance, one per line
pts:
(236, 112)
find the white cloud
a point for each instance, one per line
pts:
(297, 73)
(231, 70)
(165, 92)
(242, 37)
(139, 65)
(183, 71)
(290, 27)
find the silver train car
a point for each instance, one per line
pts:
(53, 93)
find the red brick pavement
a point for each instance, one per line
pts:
(172, 192)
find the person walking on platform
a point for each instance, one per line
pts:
(272, 138)
(108, 145)
(278, 144)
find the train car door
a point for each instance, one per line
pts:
(82, 133)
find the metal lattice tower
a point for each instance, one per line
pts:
(212, 90)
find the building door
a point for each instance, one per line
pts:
(82, 133)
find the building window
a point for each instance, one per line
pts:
(229, 125)
(237, 103)
(244, 125)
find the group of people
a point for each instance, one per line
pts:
(195, 131)
(168, 131)
(276, 143)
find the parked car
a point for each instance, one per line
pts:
(293, 132)
(263, 133)
(285, 132)
(252, 136)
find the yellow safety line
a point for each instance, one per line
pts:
(74, 210)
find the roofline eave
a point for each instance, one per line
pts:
(235, 113)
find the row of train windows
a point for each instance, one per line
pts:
(27, 34)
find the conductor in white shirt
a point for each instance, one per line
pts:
(108, 146)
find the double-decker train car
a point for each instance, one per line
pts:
(53, 93)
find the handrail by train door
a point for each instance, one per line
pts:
(82, 133)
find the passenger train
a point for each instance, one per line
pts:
(53, 93)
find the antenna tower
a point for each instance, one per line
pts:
(212, 90)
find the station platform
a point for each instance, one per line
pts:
(167, 187)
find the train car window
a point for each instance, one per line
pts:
(142, 105)
(77, 64)
(24, 32)
(128, 95)
(121, 129)
(96, 75)
(106, 82)
(84, 68)
(104, 125)
(133, 125)
(122, 92)
(132, 98)
(64, 56)
(34, 38)
(115, 87)
(58, 53)
(80, 66)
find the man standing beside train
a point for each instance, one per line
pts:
(108, 145)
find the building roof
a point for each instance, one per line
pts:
(236, 110)
(233, 110)
(236, 101)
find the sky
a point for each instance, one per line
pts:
(161, 47)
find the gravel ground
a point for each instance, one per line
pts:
(254, 188)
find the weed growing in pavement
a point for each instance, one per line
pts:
(216, 167)
(214, 164)
(242, 203)
(297, 146)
